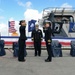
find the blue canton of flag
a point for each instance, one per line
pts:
(31, 25)
(72, 27)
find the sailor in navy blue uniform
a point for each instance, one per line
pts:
(22, 41)
(48, 32)
(37, 37)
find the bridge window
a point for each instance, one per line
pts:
(65, 18)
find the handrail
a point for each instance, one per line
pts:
(55, 9)
(56, 37)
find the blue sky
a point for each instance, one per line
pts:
(26, 9)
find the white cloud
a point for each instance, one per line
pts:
(66, 5)
(26, 5)
(11, 19)
(21, 4)
(3, 29)
(32, 14)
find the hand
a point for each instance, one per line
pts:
(26, 38)
(44, 27)
(32, 39)
(49, 41)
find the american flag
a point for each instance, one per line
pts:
(11, 26)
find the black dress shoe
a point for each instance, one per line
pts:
(47, 60)
(22, 60)
(39, 55)
(35, 55)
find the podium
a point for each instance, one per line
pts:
(2, 50)
(56, 49)
(72, 51)
(15, 48)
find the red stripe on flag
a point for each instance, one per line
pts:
(11, 27)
